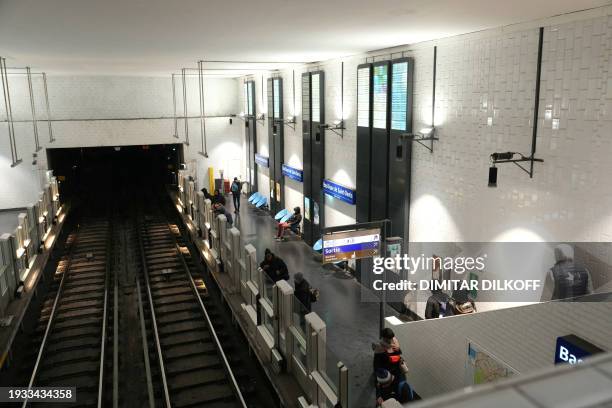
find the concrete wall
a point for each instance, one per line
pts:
(109, 111)
(523, 338)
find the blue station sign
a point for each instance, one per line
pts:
(262, 160)
(293, 173)
(572, 349)
(340, 192)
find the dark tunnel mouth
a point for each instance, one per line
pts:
(104, 170)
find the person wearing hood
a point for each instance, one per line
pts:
(390, 386)
(567, 278)
(302, 291)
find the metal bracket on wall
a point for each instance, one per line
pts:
(15, 160)
(425, 135)
(51, 138)
(33, 109)
(261, 118)
(174, 105)
(184, 80)
(337, 127)
(290, 122)
(204, 151)
(508, 157)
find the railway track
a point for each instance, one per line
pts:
(72, 324)
(129, 322)
(194, 369)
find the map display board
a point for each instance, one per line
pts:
(357, 244)
(483, 367)
(399, 95)
(381, 83)
(363, 97)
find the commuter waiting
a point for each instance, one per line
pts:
(293, 223)
(388, 354)
(303, 292)
(274, 267)
(218, 198)
(219, 208)
(389, 386)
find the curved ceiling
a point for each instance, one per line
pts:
(158, 36)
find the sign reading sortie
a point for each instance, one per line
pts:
(340, 192)
(262, 160)
(293, 173)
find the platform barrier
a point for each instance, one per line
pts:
(285, 333)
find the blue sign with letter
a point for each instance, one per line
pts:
(340, 192)
(293, 173)
(572, 349)
(262, 160)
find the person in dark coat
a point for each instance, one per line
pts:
(388, 354)
(207, 195)
(292, 223)
(302, 291)
(389, 386)
(218, 198)
(220, 209)
(275, 267)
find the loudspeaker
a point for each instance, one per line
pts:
(492, 176)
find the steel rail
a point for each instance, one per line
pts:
(160, 357)
(105, 312)
(43, 344)
(226, 364)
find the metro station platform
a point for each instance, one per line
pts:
(352, 325)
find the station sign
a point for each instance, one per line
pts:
(339, 191)
(572, 349)
(357, 244)
(293, 173)
(263, 161)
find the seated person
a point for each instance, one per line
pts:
(218, 198)
(292, 223)
(274, 267)
(389, 386)
(218, 208)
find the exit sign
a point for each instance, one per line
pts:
(572, 349)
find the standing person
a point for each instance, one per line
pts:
(292, 223)
(218, 198)
(236, 190)
(302, 291)
(388, 354)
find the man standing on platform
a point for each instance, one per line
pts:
(236, 189)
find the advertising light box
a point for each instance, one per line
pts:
(381, 83)
(363, 97)
(357, 244)
(399, 95)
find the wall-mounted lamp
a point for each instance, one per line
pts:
(289, 121)
(509, 157)
(337, 126)
(427, 134)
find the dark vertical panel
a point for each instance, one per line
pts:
(400, 148)
(318, 154)
(279, 144)
(270, 116)
(364, 140)
(307, 158)
(251, 133)
(380, 142)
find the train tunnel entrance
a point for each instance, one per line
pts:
(87, 172)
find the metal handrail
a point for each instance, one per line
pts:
(51, 317)
(145, 271)
(226, 365)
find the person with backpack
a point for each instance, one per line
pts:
(236, 189)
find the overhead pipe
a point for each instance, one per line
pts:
(174, 106)
(51, 138)
(203, 152)
(9, 113)
(185, 106)
(33, 108)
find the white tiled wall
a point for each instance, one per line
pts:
(484, 103)
(76, 100)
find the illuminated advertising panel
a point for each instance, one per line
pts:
(399, 95)
(316, 98)
(381, 83)
(363, 97)
(276, 98)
